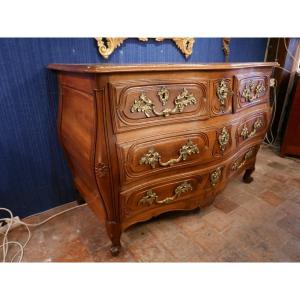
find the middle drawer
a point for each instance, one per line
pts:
(169, 154)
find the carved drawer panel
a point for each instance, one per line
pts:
(157, 156)
(181, 193)
(252, 127)
(251, 89)
(221, 97)
(140, 104)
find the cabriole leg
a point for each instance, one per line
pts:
(114, 233)
(247, 178)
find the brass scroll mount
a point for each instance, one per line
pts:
(153, 157)
(245, 134)
(215, 176)
(252, 92)
(151, 197)
(223, 138)
(241, 162)
(223, 91)
(144, 103)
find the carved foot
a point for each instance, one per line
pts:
(247, 176)
(115, 250)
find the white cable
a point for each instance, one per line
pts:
(6, 243)
(53, 216)
(272, 140)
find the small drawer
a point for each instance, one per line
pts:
(252, 127)
(243, 160)
(139, 104)
(251, 89)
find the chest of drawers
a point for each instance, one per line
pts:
(142, 140)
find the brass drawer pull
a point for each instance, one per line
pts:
(215, 176)
(223, 91)
(152, 157)
(145, 104)
(240, 163)
(251, 93)
(245, 134)
(223, 138)
(151, 196)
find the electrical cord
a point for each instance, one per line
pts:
(13, 222)
(272, 140)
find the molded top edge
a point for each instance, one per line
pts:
(112, 68)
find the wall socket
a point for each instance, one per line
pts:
(16, 222)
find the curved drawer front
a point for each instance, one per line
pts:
(252, 127)
(140, 104)
(173, 194)
(173, 154)
(243, 159)
(251, 89)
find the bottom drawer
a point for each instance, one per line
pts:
(184, 192)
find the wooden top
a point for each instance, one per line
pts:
(115, 68)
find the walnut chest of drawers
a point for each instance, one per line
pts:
(142, 140)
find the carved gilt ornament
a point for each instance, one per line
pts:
(107, 46)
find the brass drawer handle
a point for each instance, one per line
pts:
(245, 134)
(223, 91)
(240, 163)
(215, 176)
(145, 104)
(251, 93)
(151, 197)
(153, 157)
(223, 138)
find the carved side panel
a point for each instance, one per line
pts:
(144, 103)
(102, 161)
(221, 97)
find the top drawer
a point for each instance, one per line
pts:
(250, 89)
(137, 104)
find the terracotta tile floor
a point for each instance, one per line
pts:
(257, 222)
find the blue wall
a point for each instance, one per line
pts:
(34, 175)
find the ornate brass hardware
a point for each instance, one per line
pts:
(251, 92)
(151, 197)
(215, 176)
(245, 134)
(163, 95)
(240, 163)
(153, 157)
(145, 105)
(107, 46)
(223, 91)
(223, 138)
